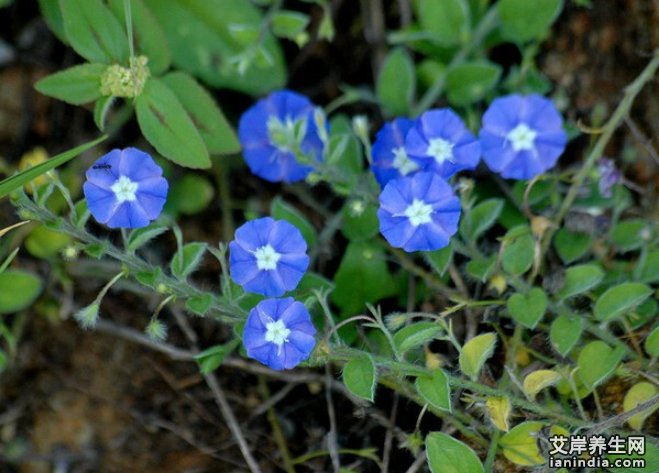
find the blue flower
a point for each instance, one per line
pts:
(441, 142)
(125, 189)
(390, 159)
(522, 136)
(279, 333)
(418, 212)
(268, 256)
(277, 127)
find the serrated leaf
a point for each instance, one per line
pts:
(141, 236)
(435, 390)
(475, 352)
(565, 332)
(94, 32)
(538, 380)
(76, 85)
(448, 455)
(167, 126)
(579, 279)
(281, 210)
(18, 290)
(214, 128)
(620, 299)
(477, 220)
(359, 376)
(396, 82)
(186, 259)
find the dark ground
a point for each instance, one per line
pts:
(92, 401)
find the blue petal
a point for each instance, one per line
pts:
(128, 215)
(286, 103)
(138, 165)
(101, 175)
(255, 233)
(152, 195)
(391, 136)
(100, 202)
(252, 127)
(286, 238)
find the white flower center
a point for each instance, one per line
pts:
(276, 332)
(286, 135)
(441, 150)
(266, 258)
(124, 189)
(522, 137)
(418, 212)
(402, 162)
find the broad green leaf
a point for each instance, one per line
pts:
(626, 235)
(45, 243)
(446, 22)
(94, 32)
(281, 210)
(571, 246)
(620, 299)
(149, 278)
(416, 335)
(22, 178)
(52, 14)
(199, 34)
(597, 361)
(520, 445)
(360, 221)
(439, 260)
(18, 290)
(565, 332)
(435, 390)
(77, 85)
(498, 408)
(362, 277)
(579, 279)
(468, 83)
(141, 236)
(359, 376)
(652, 343)
(518, 254)
(186, 260)
(528, 309)
(189, 195)
(167, 126)
(396, 83)
(148, 35)
(477, 220)
(523, 21)
(199, 305)
(211, 123)
(475, 352)
(538, 380)
(647, 269)
(448, 455)
(638, 394)
(210, 359)
(481, 269)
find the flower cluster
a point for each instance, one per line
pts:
(521, 137)
(269, 257)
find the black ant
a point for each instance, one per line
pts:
(105, 166)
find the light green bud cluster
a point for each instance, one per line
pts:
(119, 81)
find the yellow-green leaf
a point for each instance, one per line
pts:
(638, 394)
(475, 352)
(499, 409)
(538, 380)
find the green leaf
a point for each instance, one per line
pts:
(149, 37)
(281, 210)
(211, 123)
(22, 178)
(448, 455)
(289, 24)
(520, 445)
(528, 309)
(538, 380)
(439, 260)
(199, 34)
(477, 220)
(199, 305)
(52, 14)
(638, 394)
(210, 359)
(481, 269)
(647, 268)
(626, 235)
(523, 21)
(150, 278)
(168, 127)
(498, 408)
(94, 32)
(189, 195)
(416, 335)
(579, 279)
(396, 83)
(186, 260)
(46, 244)
(518, 255)
(141, 236)
(475, 352)
(362, 224)
(435, 390)
(596, 362)
(620, 299)
(468, 83)
(359, 376)
(565, 332)
(652, 343)
(362, 277)
(447, 22)
(18, 290)
(571, 246)
(77, 85)
(102, 108)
